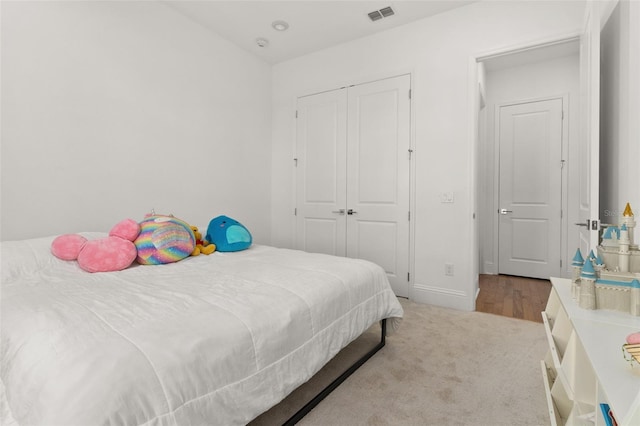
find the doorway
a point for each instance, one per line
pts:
(512, 83)
(514, 297)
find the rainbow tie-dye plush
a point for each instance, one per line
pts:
(164, 239)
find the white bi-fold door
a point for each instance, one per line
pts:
(321, 173)
(353, 172)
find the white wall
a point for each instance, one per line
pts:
(111, 109)
(620, 114)
(558, 77)
(437, 52)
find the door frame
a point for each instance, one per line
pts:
(475, 96)
(564, 220)
(589, 211)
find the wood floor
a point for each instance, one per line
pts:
(515, 297)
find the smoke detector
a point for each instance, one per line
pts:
(382, 13)
(262, 42)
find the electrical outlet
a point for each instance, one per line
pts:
(448, 269)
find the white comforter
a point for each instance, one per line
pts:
(211, 340)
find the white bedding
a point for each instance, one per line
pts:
(212, 340)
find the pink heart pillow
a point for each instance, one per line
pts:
(113, 253)
(107, 254)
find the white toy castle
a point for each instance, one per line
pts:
(610, 280)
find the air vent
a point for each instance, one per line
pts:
(375, 15)
(386, 12)
(382, 13)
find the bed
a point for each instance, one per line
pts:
(215, 339)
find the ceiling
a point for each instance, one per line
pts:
(313, 25)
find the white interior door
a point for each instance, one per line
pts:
(530, 139)
(378, 161)
(321, 173)
(352, 175)
(589, 146)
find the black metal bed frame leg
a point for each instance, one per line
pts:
(333, 385)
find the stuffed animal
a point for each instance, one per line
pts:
(113, 253)
(164, 239)
(202, 246)
(634, 338)
(228, 234)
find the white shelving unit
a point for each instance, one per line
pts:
(584, 366)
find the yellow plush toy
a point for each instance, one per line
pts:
(202, 246)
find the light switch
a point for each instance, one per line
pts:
(448, 269)
(446, 197)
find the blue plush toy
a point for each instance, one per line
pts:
(228, 234)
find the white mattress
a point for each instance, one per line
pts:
(213, 339)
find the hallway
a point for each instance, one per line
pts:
(512, 296)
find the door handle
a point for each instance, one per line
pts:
(341, 211)
(505, 211)
(593, 225)
(351, 211)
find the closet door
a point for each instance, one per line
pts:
(352, 175)
(321, 173)
(378, 167)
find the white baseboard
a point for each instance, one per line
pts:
(490, 268)
(444, 297)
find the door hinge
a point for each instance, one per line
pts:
(408, 276)
(410, 153)
(296, 113)
(562, 164)
(295, 211)
(295, 162)
(560, 263)
(409, 93)
(409, 215)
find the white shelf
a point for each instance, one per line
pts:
(554, 416)
(554, 355)
(618, 380)
(584, 366)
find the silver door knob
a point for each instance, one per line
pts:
(593, 225)
(505, 211)
(341, 211)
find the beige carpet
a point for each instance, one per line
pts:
(442, 367)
